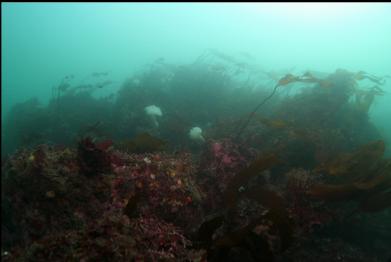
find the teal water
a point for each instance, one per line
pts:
(41, 43)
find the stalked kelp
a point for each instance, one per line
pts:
(286, 80)
(326, 117)
(228, 231)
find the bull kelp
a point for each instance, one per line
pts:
(247, 135)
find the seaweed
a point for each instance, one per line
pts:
(361, 75)
(207, 229)
(333, 192)
(131, 206)
(357, 164)
(142, 143)
(243, 126)
(305, 78)
(275, 124)
(232, 191)
(59, 206)
(243, 243)
(94, 158)
(286, 80)
(362, 176)
(351, 191)
(376, 202)
(277, 213)
(365, 98)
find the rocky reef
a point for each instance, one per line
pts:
(302, 177)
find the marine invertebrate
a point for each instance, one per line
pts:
(195, 134)
(153, 112)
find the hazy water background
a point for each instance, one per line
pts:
(41, 43)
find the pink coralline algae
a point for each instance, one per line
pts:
(308, 214)
(158, 185)
(157, 206)
(159, 239)
(219, 163)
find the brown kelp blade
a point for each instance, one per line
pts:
(239, 237)
(273, 123)
(265, 197)
(277, 214)
(142, 143)
(305, 78)
(257, 166)
(287, 79)
(361, 75)
(260, 251)
(333, 192)
(208, 227)
(356, 164)
(131, 206)
(379, 181)
(377, 202)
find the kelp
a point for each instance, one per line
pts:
(234, 238)
(376, 203)
(273, 123)
(286, 80)
(365, 98)
(208, 227)
(334, 192)
(363, 177)
(142, 143)
(357, 164)
(262, 163)
(277, 212)
(351, 191)
(361, 75)
(131, 206)
(305, 78)
(243, 126)
(380, 179)
(242, 239)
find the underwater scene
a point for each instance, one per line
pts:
(196, 132)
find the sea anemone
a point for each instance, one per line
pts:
(153, 111)
(196, 134)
